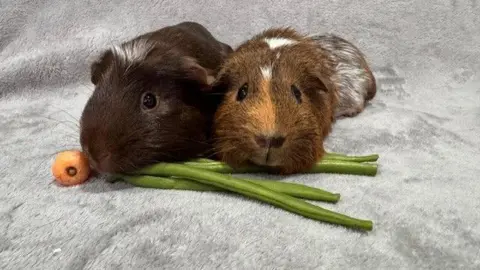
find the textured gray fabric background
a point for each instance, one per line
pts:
(424, 123)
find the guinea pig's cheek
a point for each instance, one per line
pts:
(164, 108)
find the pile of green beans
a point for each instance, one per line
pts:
(210, 175)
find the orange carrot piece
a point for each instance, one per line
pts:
(71, 168)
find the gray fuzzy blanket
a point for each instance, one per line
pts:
(424, 123)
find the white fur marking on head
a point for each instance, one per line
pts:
(266, 72)
(279, 42)
(133, 51)
(278, 55)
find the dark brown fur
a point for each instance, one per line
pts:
(270, 108)
(179, 62)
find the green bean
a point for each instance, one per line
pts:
(324, 166)
(256, 191)
(335, 156)
(149, 181)
(327, 156)
(344, 167)
(292, 189)
(221, 167)
(297, 190)
(205, 160)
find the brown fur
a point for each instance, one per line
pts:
(372, 89)
(270, 108)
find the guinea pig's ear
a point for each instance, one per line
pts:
(221, 83)
(98, 68)
(218, 88)
(226, 49)
(203, 77)
(320, 81)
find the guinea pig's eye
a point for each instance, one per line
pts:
(149, 101)
(242, 92)
(296, 93)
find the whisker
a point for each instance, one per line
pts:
(64, 122)
(222, 151)
(67, 113)
(195, 141)
(232, 138)
(86, 87)
(69, 134)
(74, 138)
(179, 148)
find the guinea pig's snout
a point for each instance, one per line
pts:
(101, 162)
(96, 145)
(269, 149)
(269, 141)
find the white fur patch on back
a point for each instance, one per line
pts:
(279, 42)
(266, 72)
(132, 51)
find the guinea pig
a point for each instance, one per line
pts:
(151, 101)
(354, 79)
(282, 92)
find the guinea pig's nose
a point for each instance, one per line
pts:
(269, 141)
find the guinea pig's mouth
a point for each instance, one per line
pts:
(267, 157)
(106, 163)
(100, 164)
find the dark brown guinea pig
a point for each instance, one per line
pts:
(151, 100)
(281, 94)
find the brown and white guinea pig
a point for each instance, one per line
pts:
(151, 100)
(282, 93)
